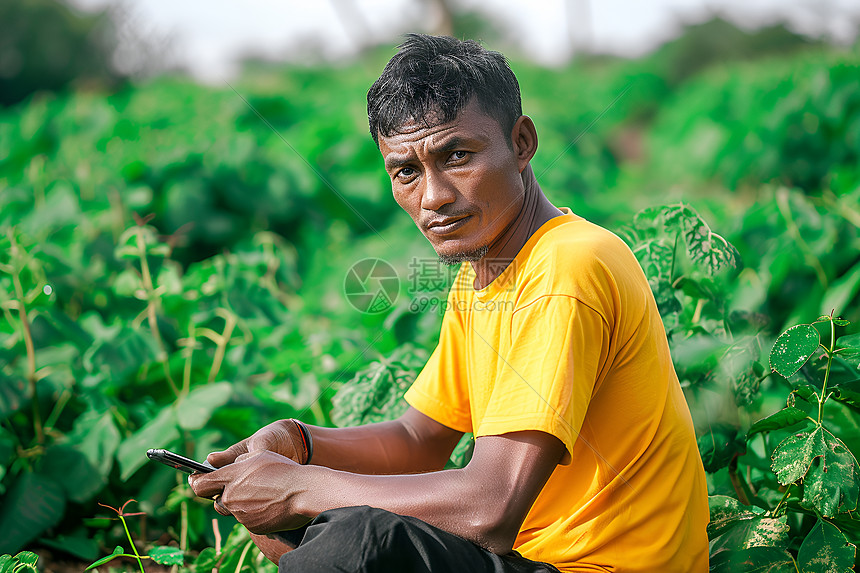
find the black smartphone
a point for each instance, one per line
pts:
(181, 463)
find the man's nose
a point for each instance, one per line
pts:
(438, 191)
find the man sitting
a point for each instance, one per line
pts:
(552, 353)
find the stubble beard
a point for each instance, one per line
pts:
(464, 257)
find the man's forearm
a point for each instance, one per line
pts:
(383, 448)
(451, 500)
(413, 443)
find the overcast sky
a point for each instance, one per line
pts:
(208, 36)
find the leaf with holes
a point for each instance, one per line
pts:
(793, 348)
(826, 550)
(760, 531)
(727, 512)
(827, 467)
(752, 560)
(705, 248)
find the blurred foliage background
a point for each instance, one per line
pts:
(173, 254)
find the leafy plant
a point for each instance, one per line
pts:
(801, 516)
(161, 554)
(20, 563)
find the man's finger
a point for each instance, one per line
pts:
(206, 485)
(228, 456)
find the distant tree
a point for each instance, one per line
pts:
(46, 44)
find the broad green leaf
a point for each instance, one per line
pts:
(842, 291)
(704, 247)
(826, 550)
(84, 548)
(6, 563)
(782, 419)
(70, 469)
(848, 345)
(727, 512)
(194, 411)
(159, 432)
(27, 558)
(118, 550)
(96, 436)
(759, 531)
(847, 394)
(827, 467)
(165, 555)
(719, 446)
(793, 348)
(753, 560)
(33, 504)
(206, 560)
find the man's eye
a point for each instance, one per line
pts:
(406, 173)
(459, 155)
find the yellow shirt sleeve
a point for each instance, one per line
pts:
(558, 346)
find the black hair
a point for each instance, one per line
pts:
(432, 78)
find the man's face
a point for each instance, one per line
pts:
(459, 181)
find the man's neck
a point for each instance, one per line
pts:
(534, 212)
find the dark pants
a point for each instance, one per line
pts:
(368, 540)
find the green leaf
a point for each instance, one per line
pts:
(848, 345)
(165, 555)
(758, 531)
(727, 512)
(842, 291)
(160, 432)
(194, 411)
(782, 419)
(72, 471)
(793, 348)
(84, 548)
(806, 392)
(827, 467)
(706, 248)
(118, 550)
(96, 436)
(27, 558)
(207, 560)
(33, 504)
(753, 560)
(719, 446)
(826, 550)
(6, 563)
(462, 453)
(848, 393)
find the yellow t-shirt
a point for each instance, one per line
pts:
(568, 340)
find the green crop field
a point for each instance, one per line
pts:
(175, 259)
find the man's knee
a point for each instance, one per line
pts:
(361, 519)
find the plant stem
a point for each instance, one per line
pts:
(243, 555)
(221, 347)
(784, 497)
(30, 348)
(152, 310)
(823, 397)
(131, 541)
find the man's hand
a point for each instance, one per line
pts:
(256, 489)
(282, 437)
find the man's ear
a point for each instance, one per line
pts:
(525, 140)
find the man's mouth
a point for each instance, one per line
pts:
(447, 225)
